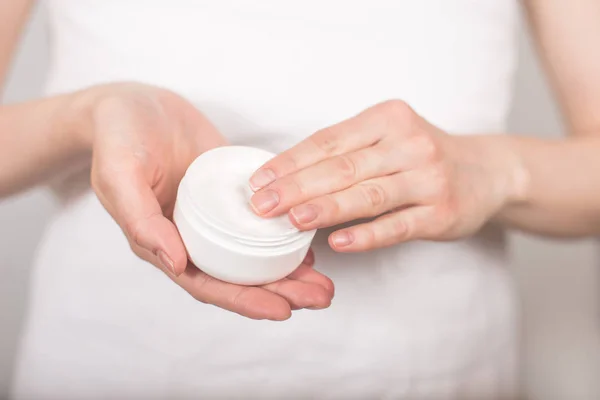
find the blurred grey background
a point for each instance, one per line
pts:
(559, 282)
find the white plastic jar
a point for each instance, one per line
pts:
(221, 233)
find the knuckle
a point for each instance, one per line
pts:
(429, 148)
(199, 289)
(298, 189)
(369, 236)
(130, 107)
(400, 111)
(288, 190)
(287, 163)
(400, 229)
(136, 228)
(332, 208)
(133, 230)
(140, 253)
(284, 164)
(374, 195)
(347, 168)
(238, 298)
(326, 142)
(397, 106)
(109, 104)
(440, 183)
(125, 97)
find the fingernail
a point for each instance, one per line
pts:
(342, 239)
(166, 262)
(304, 214)
(264, 202)
(261, 178)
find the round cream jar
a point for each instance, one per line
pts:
(221, 233)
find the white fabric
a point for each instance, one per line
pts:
(419, 320)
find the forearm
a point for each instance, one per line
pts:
(562, 197)
(38, 140)
(559, 193)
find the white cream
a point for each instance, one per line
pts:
(222, 235)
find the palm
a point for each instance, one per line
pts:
(145, 141)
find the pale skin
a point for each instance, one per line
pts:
(389, 163)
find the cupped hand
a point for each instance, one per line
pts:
(389, 163)
(143, 138)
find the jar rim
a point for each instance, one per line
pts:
(216, 234)
(240, 237)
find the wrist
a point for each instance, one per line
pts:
(85, 106)
(506, 168)
(77, 119)
(516, 173)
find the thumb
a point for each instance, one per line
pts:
(134, 206)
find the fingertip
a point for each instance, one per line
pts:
(284, 316)
(180, 264)
(284, 311)
(304, 226)
(342, 241)
(165, 262)
(322, 299)
(294, 220)
(174, 265)
(159, 236)
(179, 255)
(259, 304)
(313, 296)
(305, 273)
(328, 285)
(261, 178)
(281, 312)
(176, 249)
(309, 260)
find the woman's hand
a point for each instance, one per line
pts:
(143, 139)
(389, 162)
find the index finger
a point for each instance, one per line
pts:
(352, 134)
